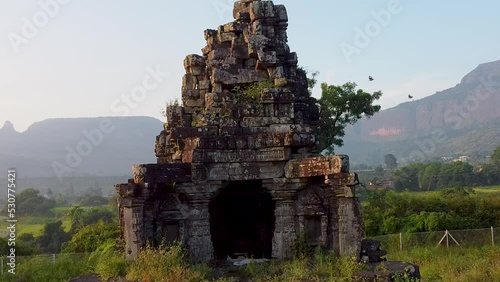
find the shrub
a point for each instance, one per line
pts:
(109, 261)
(253, 91)
(163, 264)
(90, 237)
(43, 268)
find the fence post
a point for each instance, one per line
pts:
(53, 259)
(400, 241)
(447, 239)
(1, 268)
(492, 237)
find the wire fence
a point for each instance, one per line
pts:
(447, 239)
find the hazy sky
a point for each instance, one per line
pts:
(76, 58)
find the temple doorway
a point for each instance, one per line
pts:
(242, 220)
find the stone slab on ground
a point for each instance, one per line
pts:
(387, 271)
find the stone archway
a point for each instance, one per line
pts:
(242, 220)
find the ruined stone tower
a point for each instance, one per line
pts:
(237, 173)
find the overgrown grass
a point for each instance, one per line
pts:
(163, 265)
(455, 264)
(108, 262)
(488, 190)
(45, 269)
(170, 265)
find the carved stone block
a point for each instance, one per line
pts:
(313, 167)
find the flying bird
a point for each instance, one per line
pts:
(370, 78)
(410, 97)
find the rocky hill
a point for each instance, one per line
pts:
(461, 120)
(79, 146)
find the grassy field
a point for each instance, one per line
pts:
(436, 265)
(33, 224)
(479, 191)
(456, 264)
(488, 190)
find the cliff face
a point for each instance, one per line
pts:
(476, 99)
(34, 151)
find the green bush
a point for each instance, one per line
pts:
(89, 238)
(81, 217)
(252, 92)
(30, 202)
(389, 212)
(109, 261)
(111, 265)
(43, 268)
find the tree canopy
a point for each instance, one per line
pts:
(495, 157)
(53, 236)
(340, 106)
(30, 202)
(390, 161)
(435, 176)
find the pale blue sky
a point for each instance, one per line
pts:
(90, 52)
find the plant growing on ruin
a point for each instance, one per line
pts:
(311, 77)
(301, 246)
(169, 105)
(197, 120)
(252, 92)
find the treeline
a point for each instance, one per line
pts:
(436, 176)
(90, 227)
(389, 212)
(91, 218)
(31, 202)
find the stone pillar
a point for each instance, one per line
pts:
(199, 241)
(149, 215)
(285, 230)
(333, 224)
(132, 224)
(350, 225)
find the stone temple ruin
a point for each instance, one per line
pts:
(238, 172)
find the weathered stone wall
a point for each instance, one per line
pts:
(215, 114)
(246, 115)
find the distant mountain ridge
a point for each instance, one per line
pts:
(456, 112)
(34, 152)
(8, 128)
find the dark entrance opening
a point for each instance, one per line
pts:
(242, 220)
